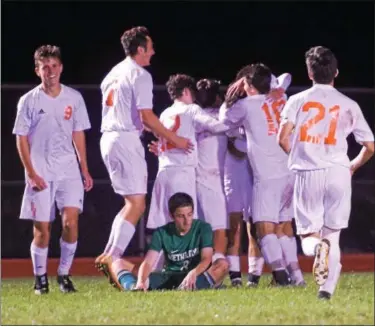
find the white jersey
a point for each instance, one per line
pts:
(49, 124)
(211, 149)
(323, 118)
(186, 120)
(259, 118)
(126, 89)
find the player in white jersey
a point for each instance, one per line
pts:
(51, 118)
(273, 183)
(127, 109)
(322, 118)
(176, 167)
(210, 170)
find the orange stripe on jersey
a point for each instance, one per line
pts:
(109, 101)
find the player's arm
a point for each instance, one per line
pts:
(81, 123)
(150, 259)
(206, 252)
(287, 123)
(233, 116)
(21, 129)
(143, 100)
(364, 136)
(145, 269)
(204, 122)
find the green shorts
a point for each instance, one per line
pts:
(165, 280)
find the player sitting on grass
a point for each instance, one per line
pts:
(187, 247)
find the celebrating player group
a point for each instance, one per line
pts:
(250, 155)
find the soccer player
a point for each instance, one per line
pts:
(272, 189)
(176, 167)
(187, 246)
(51, 118)
(127, 109)
(322, 118)
(210, 170)
(238, 187)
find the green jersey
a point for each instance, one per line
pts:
(182, 252)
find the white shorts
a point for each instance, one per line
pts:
(211, 201)
(168, 182)
(40, 205)
(124, 157)
(273, 199)
(238, 185)
(322, 198)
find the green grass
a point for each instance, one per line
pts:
(97, 303)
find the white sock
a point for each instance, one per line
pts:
(117, 219)
(272, 252)
(234, 263)
(256, 265)
(289, 247)
(334, 258)
(309, 244)
(39, 258)
(68, 251)
(217, 256)
(124, 231)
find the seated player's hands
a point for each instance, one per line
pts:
(88, 182)
(189, 282)
(233, 150)
(275, 94)
(236, 88)
(36, 182)
(153, 147)
(140, 286)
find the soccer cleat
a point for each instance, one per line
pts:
(252, 280)
(236, 282)
(41, 285)
(99, 265)
(320, 267)
(280, 278)
(65, 284)
(323, 295)
(106, 263)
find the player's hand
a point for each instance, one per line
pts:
(36, 182)
(236, 88)
(275, 94)
(140, 286)
(184, 144)
(153, 147)
(88, 183)
(189, 282)
(353, 168)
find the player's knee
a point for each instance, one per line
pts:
(222, 265)
(288, 229)
(42, 234)
(137, 203)
(70, 225)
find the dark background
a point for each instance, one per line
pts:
(203, 39)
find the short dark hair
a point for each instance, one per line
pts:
(179, 200)
(259, 76)
(208, 91)
(322, 64)
(134, 38)
(177, 83)
(47, 51)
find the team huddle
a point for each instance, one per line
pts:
(250, 154)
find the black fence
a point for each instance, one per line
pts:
(101, 204)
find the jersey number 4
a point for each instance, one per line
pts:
(176, 123)
(316, 139)
(276, 107)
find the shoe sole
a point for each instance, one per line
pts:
(320, 267)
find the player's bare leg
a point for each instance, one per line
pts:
(68, 246)
(124, 228)
(218, 271)
(220, 242)
(255, 259)
(234, 247)
(272, 252)
(284, 232)
(39, 256)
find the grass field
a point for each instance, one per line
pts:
(97, 303)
